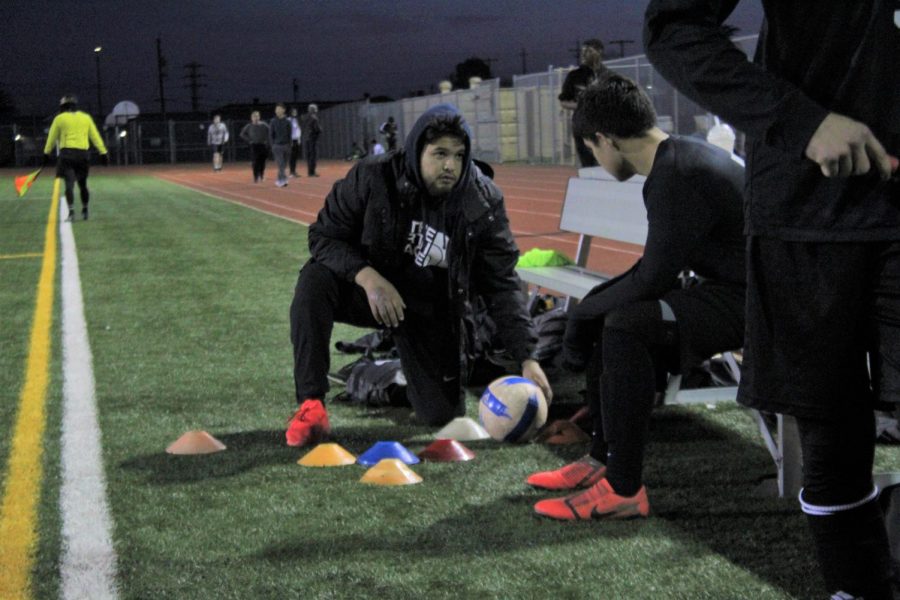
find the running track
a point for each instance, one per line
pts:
(534, 197)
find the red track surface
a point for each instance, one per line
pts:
(534, 197)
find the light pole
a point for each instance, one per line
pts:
(97, 52)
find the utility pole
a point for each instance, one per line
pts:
(194, 75)
(621, 44)
(97, 52)
(296, 85)
(577, 52)
(524, 54)
(161, 70)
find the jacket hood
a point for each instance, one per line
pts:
(415, 143)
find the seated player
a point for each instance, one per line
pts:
(406, 241)
(628, 331)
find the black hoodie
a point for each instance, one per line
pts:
(368, 215)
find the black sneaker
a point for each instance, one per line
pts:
(71, 216)
(84, 213)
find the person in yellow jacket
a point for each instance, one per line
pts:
(75, 131)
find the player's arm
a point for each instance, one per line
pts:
(52, 137)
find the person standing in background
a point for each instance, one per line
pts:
(217, 137)
(256, 133)
(296, 136)
(311, 126)
(280, 140)
(590, 70)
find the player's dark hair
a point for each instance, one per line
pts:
(451, 125)
(281, 104)
(614, 105)
(594, 43)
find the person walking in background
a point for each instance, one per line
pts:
(75, 131)
(256, 133)
(311, 130)
(820, 106)
(217, 137)
(377, 148)
(280, 140)
(296, 136)
(590, 70)
(389, 129)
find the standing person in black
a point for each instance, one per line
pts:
(628, 332)
(590, 70)
(407, 241)
(820, 106)
(389, 129)
(280, 141)
(256, 133)
(311, 131)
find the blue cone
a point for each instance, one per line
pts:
(387, 450)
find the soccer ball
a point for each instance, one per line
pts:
(512, 409)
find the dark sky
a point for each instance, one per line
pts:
(337, 49)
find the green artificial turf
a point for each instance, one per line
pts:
(187, 308)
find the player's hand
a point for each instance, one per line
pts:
(843, 147)
(531, 369)
(46, 160)
(384, 300)
(104, 159)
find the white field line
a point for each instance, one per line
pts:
(88, 568)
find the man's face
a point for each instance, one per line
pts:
(217, 119)
(441, 164)
(589, 55)
(254, 117)
(610, 158)
(279, 111)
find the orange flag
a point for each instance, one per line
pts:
(23, 183)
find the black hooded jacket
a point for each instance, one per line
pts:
(368, 214)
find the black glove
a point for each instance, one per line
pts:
(46, 160)
(104, 159)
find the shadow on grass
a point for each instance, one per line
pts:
(701, 478)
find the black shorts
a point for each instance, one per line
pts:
(217, 148)
(816, 312)
(73, 164)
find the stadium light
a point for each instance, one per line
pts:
(97, 51)
(123, 134)
(18, 137)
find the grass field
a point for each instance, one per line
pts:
(186, 301)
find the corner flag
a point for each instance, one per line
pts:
(23, 183)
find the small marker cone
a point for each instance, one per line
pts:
(462, 429)
(327, 455)
(559, 433)
(446, 451)
(195, 442)
(390, 471)
(382, 450)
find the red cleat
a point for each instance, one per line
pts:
(597, 502)
(583, 473)
(309, 424)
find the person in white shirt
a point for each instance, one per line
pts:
(377, 148)
(217, 137)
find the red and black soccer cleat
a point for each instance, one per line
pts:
(309, 424)
(597, 502)
(583, 473)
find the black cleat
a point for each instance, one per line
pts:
(84, 213)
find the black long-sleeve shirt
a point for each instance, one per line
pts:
(693, 196)
(813, 57)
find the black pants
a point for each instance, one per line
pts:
(73, 166)
(295, 154)
(429, 351)
(628, 365)
(311, 156)
(258, 153)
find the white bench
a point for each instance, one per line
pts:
(596, 205)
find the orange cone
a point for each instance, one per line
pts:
(195, 442)
(327, 455)
(390, 471)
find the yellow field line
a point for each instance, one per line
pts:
(26, 255)
(18, 535)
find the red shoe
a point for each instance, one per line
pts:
(583, 473)
(597, 502)
(308, 425)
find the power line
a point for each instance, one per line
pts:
(194, 75)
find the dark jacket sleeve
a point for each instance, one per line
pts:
(335, 237)
(494, 278)
(686, 43)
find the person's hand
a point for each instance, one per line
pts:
(104, 159)
(384, 300)
(843, 147)
(46, 159)
(531, 369)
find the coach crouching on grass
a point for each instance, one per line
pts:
(406, 241)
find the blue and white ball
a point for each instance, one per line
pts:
(512, 409)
